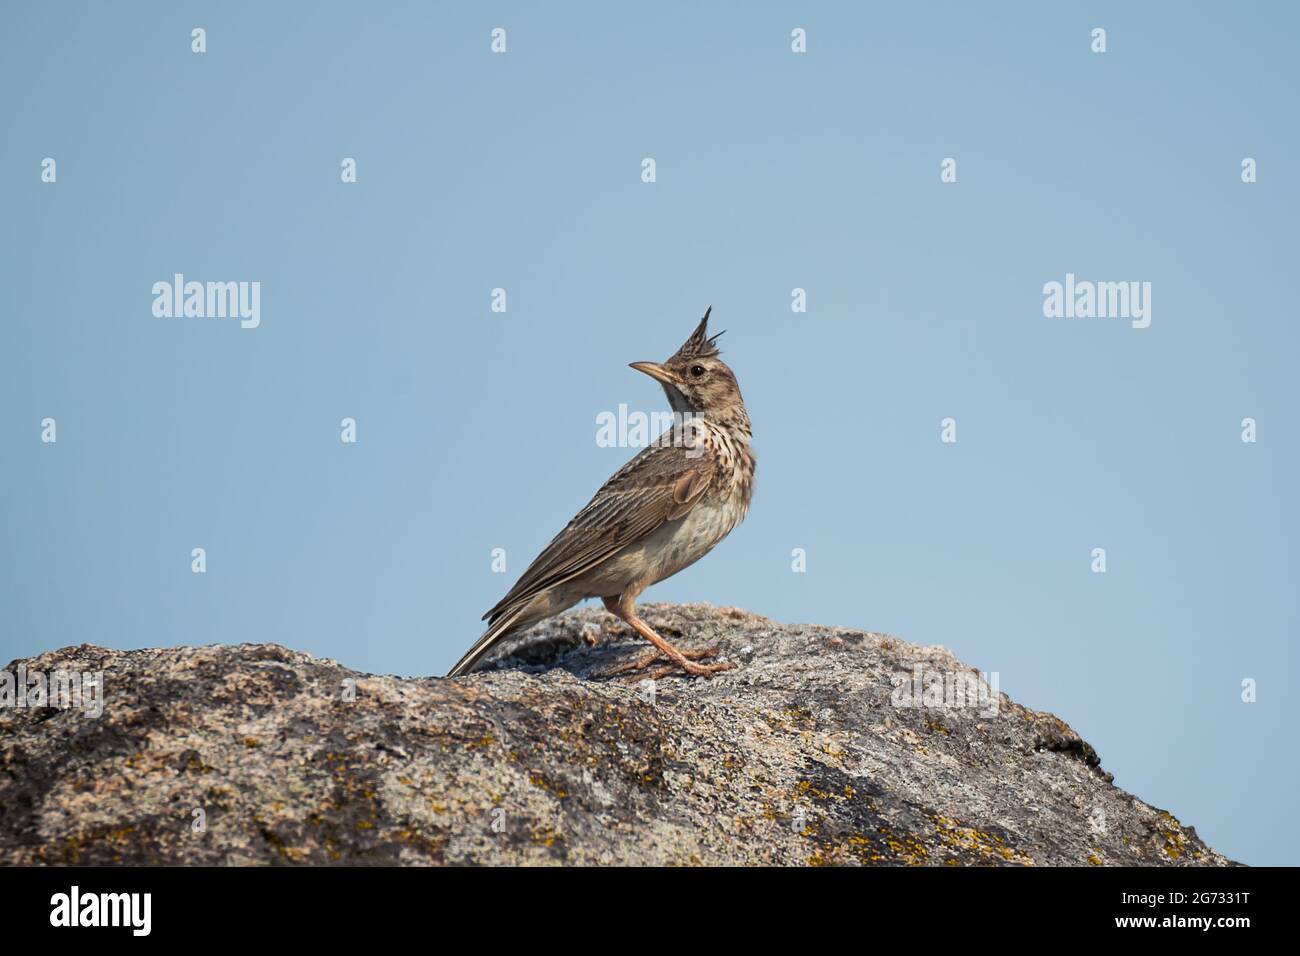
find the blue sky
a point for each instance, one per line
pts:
(775, 171)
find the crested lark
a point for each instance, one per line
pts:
(661, 512)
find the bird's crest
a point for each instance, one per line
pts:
(700, 344)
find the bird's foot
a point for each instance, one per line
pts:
(643, 661)
(638, 668)
(707, 670)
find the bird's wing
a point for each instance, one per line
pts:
(660, 484)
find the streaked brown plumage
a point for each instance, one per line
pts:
(661, 512)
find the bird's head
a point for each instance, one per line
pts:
(696, 380)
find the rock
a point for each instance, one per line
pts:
(256, 754)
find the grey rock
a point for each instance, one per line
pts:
(801, 755)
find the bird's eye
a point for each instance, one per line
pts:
(697, 370)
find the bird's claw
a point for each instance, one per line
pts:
(630, 671)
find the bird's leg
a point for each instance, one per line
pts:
(623, 608)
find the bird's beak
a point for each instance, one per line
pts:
(656, 371)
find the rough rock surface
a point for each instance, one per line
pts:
(798, 756)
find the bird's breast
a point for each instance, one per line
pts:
(679, 543)
(684, 541)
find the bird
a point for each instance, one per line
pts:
(661, 512)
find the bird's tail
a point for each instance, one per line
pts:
(497, 630)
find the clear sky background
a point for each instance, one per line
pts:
(775, 171)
